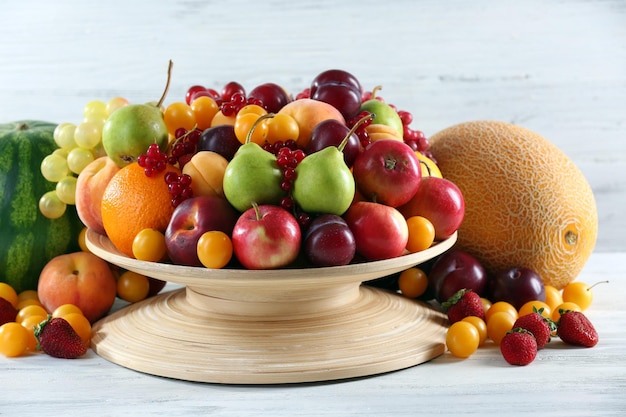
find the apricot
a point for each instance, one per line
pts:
(206, 169)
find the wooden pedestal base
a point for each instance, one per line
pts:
(268, 327)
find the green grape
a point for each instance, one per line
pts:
(114, 104)
(57, 131)
(65, 137)
(51, 206)
(66, 189)
(54, 167)
(87, 135)
(97, 119)
(61, 152)
(95, 107)
(78, 159)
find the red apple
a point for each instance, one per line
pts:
(380, 231)
(329, 241)
(90, 185)
(266, 237)
(440, 201)
(190, 220)
(79, 278)
(388, 172)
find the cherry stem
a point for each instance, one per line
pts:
(167, 84)
(599, 282)
(256, 123)
(358, 124)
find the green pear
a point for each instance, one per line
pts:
(252, 176)
(383, 114)
(130, 130)
(324, 183)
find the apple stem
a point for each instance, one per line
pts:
(257, 212)
(167, 84)
(362, 120)
(256, 123)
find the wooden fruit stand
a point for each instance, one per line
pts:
(272, 326)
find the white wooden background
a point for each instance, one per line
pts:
(554, 66)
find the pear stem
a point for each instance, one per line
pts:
(167, 84)
(256, 123)
(375, 90)
(362, 120)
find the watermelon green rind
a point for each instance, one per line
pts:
(28, 240)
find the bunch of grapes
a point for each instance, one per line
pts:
(78, 145)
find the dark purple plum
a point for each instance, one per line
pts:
(273, 96)
(344, 98)
(329, 241)
(516, 286)
(336, 76)
(220, 139)
(454, 271)
(331, 133)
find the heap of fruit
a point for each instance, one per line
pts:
(520, 332)
(259, 179)
(27, 326)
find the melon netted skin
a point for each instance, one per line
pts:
(527, 204)
(28, 240)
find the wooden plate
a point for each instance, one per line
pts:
(271, 326)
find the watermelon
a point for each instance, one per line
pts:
(28, 240)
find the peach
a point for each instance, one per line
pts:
(90, 186)
(79, 278)
(308, 113)
(206, 169)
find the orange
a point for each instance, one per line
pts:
(526, 202)
(131, 202)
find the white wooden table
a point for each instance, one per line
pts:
(561, 381)
(556, 67)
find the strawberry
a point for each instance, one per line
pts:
(462, 304)
(57, 338)
(575, 328)
(518, 347)
(8, 313)
(541, 327)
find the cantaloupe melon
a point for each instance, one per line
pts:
(526, 202)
